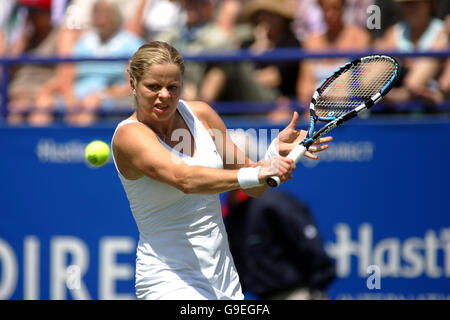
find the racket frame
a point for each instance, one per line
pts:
(298, 152)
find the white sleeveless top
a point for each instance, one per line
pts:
(183, 250)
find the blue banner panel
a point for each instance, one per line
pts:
(379, 196)
(64, 224)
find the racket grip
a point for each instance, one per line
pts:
(296, 154)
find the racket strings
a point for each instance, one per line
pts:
(354, 87)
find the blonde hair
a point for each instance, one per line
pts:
(152, 53)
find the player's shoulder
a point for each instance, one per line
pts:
(202, 110)
(128, 125)
(199, 107)
(207, 115)
(129, 131)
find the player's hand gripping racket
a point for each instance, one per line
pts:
(352, 89)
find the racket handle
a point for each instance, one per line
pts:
(296, 154)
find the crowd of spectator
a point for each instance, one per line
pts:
(116, 28)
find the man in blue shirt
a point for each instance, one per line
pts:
(95, 85)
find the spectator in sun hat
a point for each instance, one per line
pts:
(245, 81)
(272, 29)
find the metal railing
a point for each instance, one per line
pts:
(282, 54)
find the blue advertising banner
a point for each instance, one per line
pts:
(379, 196)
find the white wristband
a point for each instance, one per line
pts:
(272, 150)
(248, 177)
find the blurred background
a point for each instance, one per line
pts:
(378, 195)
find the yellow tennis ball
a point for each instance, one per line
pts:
(97, 153)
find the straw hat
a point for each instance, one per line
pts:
(280, 7)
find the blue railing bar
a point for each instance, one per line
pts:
(34, 59)
(280, 54)
(238, 55)
(243, 107)
(296, 54)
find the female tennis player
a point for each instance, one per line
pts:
(183, 249)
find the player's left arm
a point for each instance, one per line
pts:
(232, 156)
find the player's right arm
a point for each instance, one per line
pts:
(138, 152)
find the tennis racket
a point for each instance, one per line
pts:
(353, 88)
